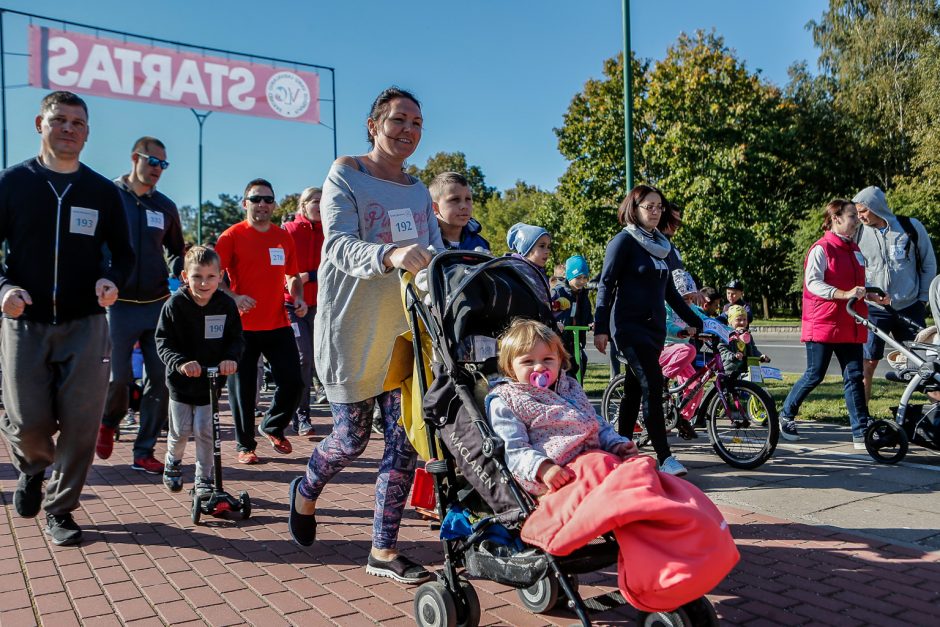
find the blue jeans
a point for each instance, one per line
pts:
(129, 323)
(818, 356)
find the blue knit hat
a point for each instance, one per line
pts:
(522, 237)
(576, 266)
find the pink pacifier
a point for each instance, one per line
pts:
(541, 379)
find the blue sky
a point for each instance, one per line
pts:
(494, 77)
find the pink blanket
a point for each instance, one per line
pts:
(675, 546)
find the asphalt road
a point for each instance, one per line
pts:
(785, 349)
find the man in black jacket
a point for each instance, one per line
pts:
(56, 215)
(154, 226)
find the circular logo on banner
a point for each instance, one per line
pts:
(288, 94)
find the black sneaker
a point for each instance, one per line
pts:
(173, 476)
(788, 430)
(686, 430)
(400, 569)
(28, 496)
(62, 529)
(302, 527)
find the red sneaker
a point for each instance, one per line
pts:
(149, 465)
(280, 443)
(105, 442)
(247, 457)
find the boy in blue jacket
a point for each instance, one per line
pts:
(453, 206)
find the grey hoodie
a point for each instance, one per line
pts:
(890, 260)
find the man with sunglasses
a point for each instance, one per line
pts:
(154, 225)
(259, 259)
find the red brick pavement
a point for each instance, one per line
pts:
(143, 562)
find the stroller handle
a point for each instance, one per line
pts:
(912, 357)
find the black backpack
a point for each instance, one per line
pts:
(908, 225)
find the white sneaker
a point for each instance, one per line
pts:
(858, 444)
(672, 466)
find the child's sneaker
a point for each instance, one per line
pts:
(203, 486)
(173, 476)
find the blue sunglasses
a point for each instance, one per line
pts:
(154, 162)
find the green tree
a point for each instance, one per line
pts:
(522, 203)
(871, 50)
(591, 138)
(455, 162)
(215, 218)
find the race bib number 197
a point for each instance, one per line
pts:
(83, 221)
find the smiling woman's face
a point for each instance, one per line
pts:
(398, 132)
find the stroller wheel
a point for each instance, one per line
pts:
(697, 613)
(886, 442)
(542, 596)
(435, 606)
(471, 609)
(676, 618)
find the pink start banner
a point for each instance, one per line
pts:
(115, 69)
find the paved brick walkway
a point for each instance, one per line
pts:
(143, 562)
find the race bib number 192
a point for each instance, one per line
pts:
(402, 224)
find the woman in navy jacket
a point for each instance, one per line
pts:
(634, 286)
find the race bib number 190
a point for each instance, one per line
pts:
(402, 224)
(83, 221)
(215, 326)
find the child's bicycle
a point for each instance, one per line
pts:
(740, 415)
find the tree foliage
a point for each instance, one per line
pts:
(522, 203)
(455, 162)
(871, 50)
(216, 217)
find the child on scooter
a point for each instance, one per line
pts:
(542, 414)
(199, 326)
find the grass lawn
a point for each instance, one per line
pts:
(826, 403)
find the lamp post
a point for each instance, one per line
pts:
(627, 98)
(201, 119)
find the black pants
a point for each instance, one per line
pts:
(643, 387)
(280, 349)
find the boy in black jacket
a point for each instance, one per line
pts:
(199, 326)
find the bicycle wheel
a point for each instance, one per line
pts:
(610, 409)
(743, 425)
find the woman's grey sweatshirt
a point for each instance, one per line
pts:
(359, 306)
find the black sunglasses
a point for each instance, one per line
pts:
(260, 199)
(154, 162)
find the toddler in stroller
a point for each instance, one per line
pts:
(472, 300)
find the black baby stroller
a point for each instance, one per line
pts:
(471, 299)
(917, 364)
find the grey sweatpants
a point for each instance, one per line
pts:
(55, 379)
(195, 420)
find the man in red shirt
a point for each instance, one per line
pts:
(258, 258)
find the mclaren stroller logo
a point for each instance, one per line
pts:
(477, 466)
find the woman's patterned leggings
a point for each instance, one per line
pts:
(352, 426)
